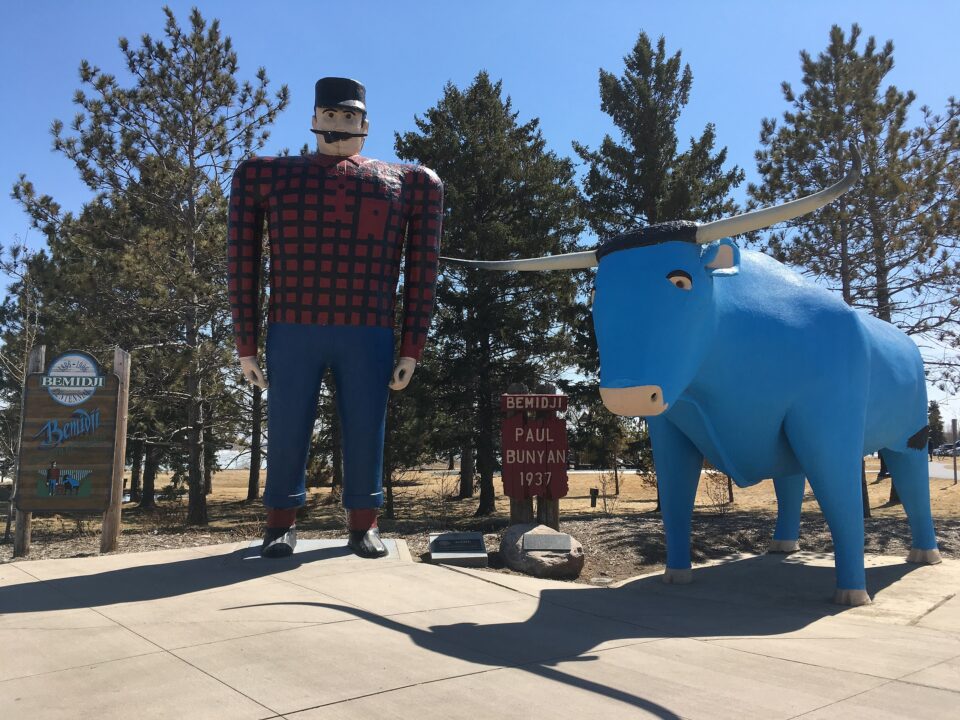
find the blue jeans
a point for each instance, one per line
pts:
(362, 362)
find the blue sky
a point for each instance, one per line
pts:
(546, 52)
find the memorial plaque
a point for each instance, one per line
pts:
(459, 548)
(67, 437)
(559, 542)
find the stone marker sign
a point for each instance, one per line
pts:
(527, 548)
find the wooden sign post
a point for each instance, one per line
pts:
(534, 443)
(955, 451)
(72, 442)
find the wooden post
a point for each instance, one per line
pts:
(21, 539)
(521, 511)
(111, 518)
(548, 512)
(955, 451)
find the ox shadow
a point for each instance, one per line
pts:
(735, 599)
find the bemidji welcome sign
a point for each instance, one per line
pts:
(68, 436)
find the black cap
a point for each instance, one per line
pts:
(341, 93)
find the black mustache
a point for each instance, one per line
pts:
(332, 136)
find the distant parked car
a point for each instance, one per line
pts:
(948, 450)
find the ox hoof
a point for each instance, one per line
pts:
(672, 576)
(924, 557)
(852, 598)
(783, 546)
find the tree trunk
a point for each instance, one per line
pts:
(150, 465)
(336, 459)
(729, 490)
(616, 476)
(388, 482)
(486, 459)
(253, 482)
(450, 463)
(468, 470)
(209, 451)
(136, 469)
(197, 503)
(863, 488)
(845, 285)
(884, 311)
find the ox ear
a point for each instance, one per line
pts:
(721, 258)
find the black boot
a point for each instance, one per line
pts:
(279, 542)
(367, 543)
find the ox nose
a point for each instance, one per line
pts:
(636, 401)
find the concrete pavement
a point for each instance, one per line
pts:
(216, 632)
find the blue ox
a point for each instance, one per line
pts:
(735, 358)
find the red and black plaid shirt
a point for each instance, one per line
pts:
(337, 228)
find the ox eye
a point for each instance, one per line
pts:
(681, 279)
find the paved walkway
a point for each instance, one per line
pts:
(942, 471)
(216, 632)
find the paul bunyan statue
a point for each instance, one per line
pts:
(733, 357)
(337, 224)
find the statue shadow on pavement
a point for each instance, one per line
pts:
(757, 596)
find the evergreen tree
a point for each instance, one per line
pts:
(164, 149)
(935, 420)
(19, 329)
(891, 245)
(643, 179)
(505, 196)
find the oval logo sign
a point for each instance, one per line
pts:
(73, 378)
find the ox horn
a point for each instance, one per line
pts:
(765, 217)
(567, 261)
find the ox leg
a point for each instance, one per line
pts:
(911, 478)
(678, 464)
(786, 535)
(833, 471)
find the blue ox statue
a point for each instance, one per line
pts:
(733, 357)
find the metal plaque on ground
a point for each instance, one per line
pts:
(559, 542)
(458, 548)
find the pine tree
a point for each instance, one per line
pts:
(643, 179)
(19, 330)
(891, 246)
(505, 196)
(164, 148)
(935, 421)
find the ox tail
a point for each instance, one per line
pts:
(918, 441)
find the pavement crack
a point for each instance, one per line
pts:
(840, 700)
(921, 616)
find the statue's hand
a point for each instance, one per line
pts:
(402, 373)
(252, 372)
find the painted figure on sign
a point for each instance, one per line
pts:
(337, 226)
(734, 358)
(53, 478)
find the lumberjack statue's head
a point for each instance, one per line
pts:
(339, 116)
